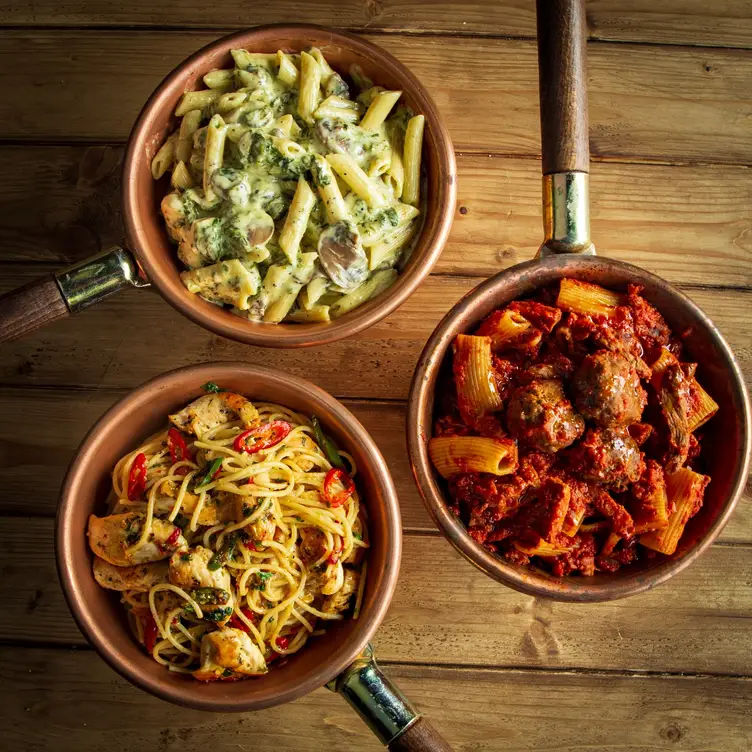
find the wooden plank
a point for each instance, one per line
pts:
(94, 709)
(134, 335)
(722, 24)
(62, 203)
(37, 459)
(667, 104)
(448, 612)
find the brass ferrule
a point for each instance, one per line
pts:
(374, 698)
(566, 214)
(96, 278)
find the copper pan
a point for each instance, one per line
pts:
(148, 257)
(567, 251)
(341, 659)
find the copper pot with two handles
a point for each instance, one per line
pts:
(567, 251)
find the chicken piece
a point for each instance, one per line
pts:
(339, 602)
(212, 410)
(215, 509)
(210, 588)
(110, 537)
(673, 397)
(607, 389)
(312, 544)
(540, 415)
(229, 654)
(608, 456)
(138, 579)
(261, 529)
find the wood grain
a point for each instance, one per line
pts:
(35, 305)
(38, 459)
(562, 84)
(664, 104)
(446, 612)
(62, 203)
(422, 736)
(67, 700)
(135, 336)
(721, 23)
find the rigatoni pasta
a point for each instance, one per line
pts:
(472, 454)
(276, 163)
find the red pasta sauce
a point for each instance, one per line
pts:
(591, 385)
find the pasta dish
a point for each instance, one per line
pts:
(233, 536)
(291, 200)
(568, 435)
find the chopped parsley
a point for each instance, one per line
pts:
(210, 386)
(262, 578)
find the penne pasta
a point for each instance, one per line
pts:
(452, 455)
(395, 175)
(297, 219)
(412, 153)
(219, 79)
(164, 158)
(388, 250)
(181, 177)
(338, 108)
(286, 71)
(282, 305)
(506, 329)
(586, 298)
(477, 393)
(369, 190)
(369, 289)
(197, 100)
(310, 87)
(684, 488)
(244, 59)
(215, 146)
(379, 109)
(310, 315)
(188, 126)
(326, 69)
(329, 191)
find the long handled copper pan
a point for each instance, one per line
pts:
(341, 658)
(567, 251)
(148, 257)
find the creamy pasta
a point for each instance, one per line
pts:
(291, 200)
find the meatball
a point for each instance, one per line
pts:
(609, 456)
(540, 415)
(607, 389)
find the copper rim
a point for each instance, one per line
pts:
(141, 195)
(727, 444)
(101, 617)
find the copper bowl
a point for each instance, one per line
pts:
(156, 260)
(726, 447)
(101, 617)
(567, 251)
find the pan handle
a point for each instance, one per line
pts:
(59, 295)
(385, 709)
(562, 81)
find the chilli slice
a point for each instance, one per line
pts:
(178, 448)
(262, 437)
(338, 498)
(137, 477)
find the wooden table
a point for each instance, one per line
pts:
(671, 139)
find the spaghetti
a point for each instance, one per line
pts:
(232, 537)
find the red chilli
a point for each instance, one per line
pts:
(263, 437)
(177, 445)
(137, 477)
(340, 497)
(151, 633)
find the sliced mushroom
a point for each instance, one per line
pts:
(342, 256)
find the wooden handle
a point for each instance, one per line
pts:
(562, 76)
(31, 307)
(420, 737)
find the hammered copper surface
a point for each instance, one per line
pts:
(100, 615)
(148, 238)
(727, 436)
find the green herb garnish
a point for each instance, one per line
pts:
(210, 386)
(211, 472)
